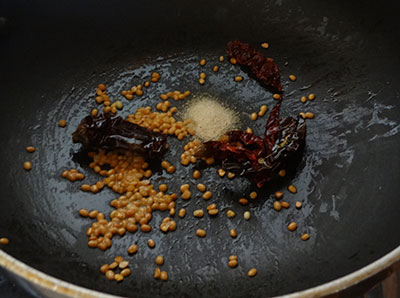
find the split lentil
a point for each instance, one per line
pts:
(196, 174)
(198, 213)
(292, 78)
(253, 116)
(292, 189)
(233, 233)
(164, 275)
(27, 165)
(201, 187)
(243, 201)
(305, 237)
(151, 243)
(159, 260)
(207, 195)
(311, 96)
(238, 78)
(221, 172)
(265, 45)
(133, 249)
(253, 195)
(277, 206)
(30, 149)
(182, 213)
(285, 204)
(231, 175)
(292, 226)
(252, 272)
(62, 123)
(276, 96)
(201, 233)
(230, 213)
(157, 273)
(4, 241)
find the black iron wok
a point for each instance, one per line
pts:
(53, 55)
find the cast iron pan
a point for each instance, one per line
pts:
(53, 55)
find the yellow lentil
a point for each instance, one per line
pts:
(62, 123)
(292, 189)
(292, 226)
(196, 174)
(265, 45)
(133, 249)
(277, 206)
(233, 233)
(182, 213)
(159, 260)
(253, 195)
(305, 237)
(201, 187)
(285, 204)
(198, 213)
(243, 201)
(118, 277)
(238, 78)
(164, 275)
(157, 273)
(207, 195)
(230, 213)
(201, 233)
(27, 165)
(151, 243)
(125, 272)
(252, 272)
(4, 241)
(276, 96)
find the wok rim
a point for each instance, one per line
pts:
(49, 283)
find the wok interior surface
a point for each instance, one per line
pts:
(53, 55)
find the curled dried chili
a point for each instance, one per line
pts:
(265, 69)
(259, 157)
(109, 132)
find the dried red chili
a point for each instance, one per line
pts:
(109, 132)
(265, 69)
(259, 157)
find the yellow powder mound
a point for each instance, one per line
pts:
(209, 118)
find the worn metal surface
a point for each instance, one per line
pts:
(53, 58)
